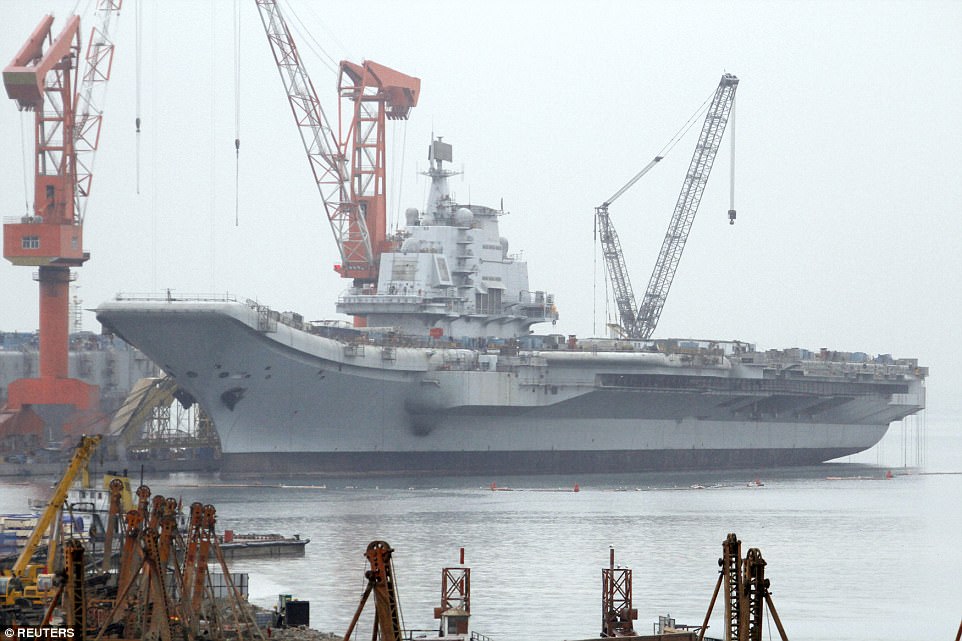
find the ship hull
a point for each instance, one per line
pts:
(288, 402)
(350, 464)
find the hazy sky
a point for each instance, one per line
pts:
(849, 158)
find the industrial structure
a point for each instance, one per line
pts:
(454, 612)
(746, 594)
(24, 580)
(156, 584)
(639, 322)
(348, 163)
(159, 422)
(617, 613)
(442, 337)
(380, 583)
(44, 78)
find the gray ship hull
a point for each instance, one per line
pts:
(286, 401)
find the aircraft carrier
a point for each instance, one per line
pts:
(447, 377)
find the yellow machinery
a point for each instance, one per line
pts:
(23, 580)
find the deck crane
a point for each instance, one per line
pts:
(44, 78)
(641, 324)
(353, 195)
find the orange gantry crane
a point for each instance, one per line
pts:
(44, 78)
(348, 163)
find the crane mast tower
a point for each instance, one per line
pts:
(641, 324)
(44, 78)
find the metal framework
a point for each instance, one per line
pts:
(616, 611)
(746, 594)
(455, 609)
(328, 165)
(164, 589)
(641, 324)
(353, 197)
(373, 94)
(687, 206)
(615, 258)
(51, 512)
(617, 270)
(735, 612)
(43, 78)
(90, 99)
(456, 589)
(380, 582)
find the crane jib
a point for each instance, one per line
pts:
(353, 195)
(641, 324)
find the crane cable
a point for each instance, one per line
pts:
(138, 45)
(686, 127)
(237, 53)
(731, 199)
(306, 36)
(152, 162)
(397, 177)
(25, 164)
(674, 140)
(212, 191)
(594, 282)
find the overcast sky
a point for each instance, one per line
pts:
(848, 182)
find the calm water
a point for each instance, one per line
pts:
(855, 558)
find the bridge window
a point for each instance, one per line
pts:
(30, 242)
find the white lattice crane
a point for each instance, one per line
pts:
(641, 324)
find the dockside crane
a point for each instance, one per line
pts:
(641, 324)
(349, 171)
(44, 78)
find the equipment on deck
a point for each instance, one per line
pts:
(639, 322)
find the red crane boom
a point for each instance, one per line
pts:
(353, 197)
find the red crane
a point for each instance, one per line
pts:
(370, 95)
(43, 78)
(374, 93)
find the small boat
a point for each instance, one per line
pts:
(250, 546)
